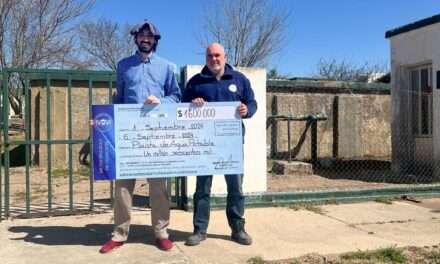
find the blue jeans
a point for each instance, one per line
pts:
(234, 204)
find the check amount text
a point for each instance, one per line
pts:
(194, 113)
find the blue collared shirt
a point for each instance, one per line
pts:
(138, 79)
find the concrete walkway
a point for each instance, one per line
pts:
(278, 233)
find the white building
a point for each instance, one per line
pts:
(415, 93)
(255, 170)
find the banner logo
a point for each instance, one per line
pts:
(103, 122)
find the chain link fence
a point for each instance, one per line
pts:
(325, 135)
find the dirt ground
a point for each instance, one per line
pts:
(306, 182)
(341, 175)
(38, 190)
(343, 178)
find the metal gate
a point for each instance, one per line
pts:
(43, 146)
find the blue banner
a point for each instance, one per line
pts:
(166, 140)
(103, 142)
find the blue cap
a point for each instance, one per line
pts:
(145, 25)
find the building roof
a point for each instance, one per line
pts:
(412, 26)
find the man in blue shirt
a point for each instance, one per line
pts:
(143, 78)
(219, 82)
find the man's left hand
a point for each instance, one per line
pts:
(243, 110)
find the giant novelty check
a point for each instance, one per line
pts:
(166, 140)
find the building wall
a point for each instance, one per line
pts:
(409, 49)
(59, 119)
(357, 127)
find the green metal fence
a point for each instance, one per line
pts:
(331, 163)
(24, 82)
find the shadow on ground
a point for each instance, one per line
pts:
(92, 234)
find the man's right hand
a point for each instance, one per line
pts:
(152, 100)
(198, 101)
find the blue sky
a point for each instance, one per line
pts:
(352, 30)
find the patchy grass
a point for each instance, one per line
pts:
(389, 254)
(60, 173)
(83, 172)
(256, 260)
(307, 206)
(384, 200)
(432, 256)
(260, 260)
(331, 201)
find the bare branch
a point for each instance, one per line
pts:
(345, 71)
(37, 33)
(40, 31)
(250, 30)
(106, 42)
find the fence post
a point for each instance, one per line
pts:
(335, 127)
(27, 143)
(91, 146)
(1, 143)
(70, 150)
(110, 101)
(6, 141)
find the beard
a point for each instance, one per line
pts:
(145, 47)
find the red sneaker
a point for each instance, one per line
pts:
(164, 244)
(110, 245)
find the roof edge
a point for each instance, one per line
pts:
(412, 26)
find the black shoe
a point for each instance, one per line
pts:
(195, 239)
(241, 237)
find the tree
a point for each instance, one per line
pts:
(37, 34)
(273, 74)
(346, 71)
(250, 30)
(105, 42)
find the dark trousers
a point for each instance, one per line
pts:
(234, 204)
